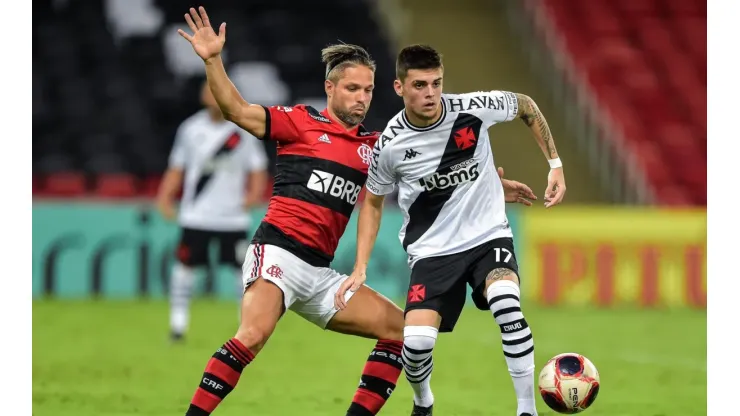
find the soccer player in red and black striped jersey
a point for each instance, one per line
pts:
(322, 163)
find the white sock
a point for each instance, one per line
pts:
(518, 345)
(181, 288)
(418, 343)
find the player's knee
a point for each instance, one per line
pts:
(500, 274)
(393, 327)
(420, 338)
(252, 336)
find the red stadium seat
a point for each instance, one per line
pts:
(675, 196)
(119, 185)
(65, 184)
(638, 7)
(645, 61)
(37, 185)
(150, 186)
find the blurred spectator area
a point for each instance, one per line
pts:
(112, 80)
(645, 61)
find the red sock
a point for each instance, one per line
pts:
(378, 380)
(221, 375)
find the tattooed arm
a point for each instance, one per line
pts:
(533, 118)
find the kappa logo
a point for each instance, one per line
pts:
(366, 153)
(410, 154)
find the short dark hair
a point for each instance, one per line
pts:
(417, 57)
(340, 56)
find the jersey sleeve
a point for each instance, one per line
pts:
(283, 123)
(255, 157)
(179, 152)
(381, 177)
(502, 106)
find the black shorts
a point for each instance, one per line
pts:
(438, 283)
(195, 245)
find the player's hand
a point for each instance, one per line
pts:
(353, 283)
(206, 43)
(516, 191)
(555, 187)
(167, 210)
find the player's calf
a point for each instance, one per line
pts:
(378, 380)
(370, 315)
(418, 344)
(502, 292)
(262, 306)
(181, 288)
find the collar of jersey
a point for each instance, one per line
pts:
(430, 127)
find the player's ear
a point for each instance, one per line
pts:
(328, 88)
(398, 86)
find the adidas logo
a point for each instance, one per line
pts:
(324, 138)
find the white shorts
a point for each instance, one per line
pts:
(307, 290)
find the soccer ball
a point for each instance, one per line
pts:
(569, 383)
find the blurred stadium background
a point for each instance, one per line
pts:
(617, 273)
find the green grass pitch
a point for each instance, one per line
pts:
(114, 358)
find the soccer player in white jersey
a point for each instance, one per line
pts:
(214, 158)
(455, 231)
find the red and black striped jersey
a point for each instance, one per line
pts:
(321, 170)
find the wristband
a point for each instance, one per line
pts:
(555, 163)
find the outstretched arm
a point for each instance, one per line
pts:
(533, 118)
(208, 45)
(368, 224)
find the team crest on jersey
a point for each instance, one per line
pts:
(465, 138)
(366, 153)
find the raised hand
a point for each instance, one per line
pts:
(206, 43)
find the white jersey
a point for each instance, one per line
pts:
(216, 157)
(448, 189)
